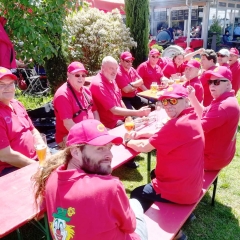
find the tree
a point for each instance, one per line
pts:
(137, 19)
(90, 35)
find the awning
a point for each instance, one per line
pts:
(108, 5)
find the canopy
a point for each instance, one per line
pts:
(108, 5)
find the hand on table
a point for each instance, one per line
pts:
(144, 111)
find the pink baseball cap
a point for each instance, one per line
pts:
(154, 51)
(76, 67)
(234, 51)
(221, 72)
(174, 91)
(6, 72)
(189, 49)
(126, 56)
(91, 132)
(193, 63)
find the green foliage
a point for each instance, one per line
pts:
(156, 46)
(90, 35)
(215, 28)
(137, 19)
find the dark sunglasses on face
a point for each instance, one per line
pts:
(80, 75)
(216, 82)
(128, 61)
(155, 56)
(221, 56)
(172, 101)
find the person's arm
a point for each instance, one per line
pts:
(194, 101)
(141, 145)
(144, 111)
(131, 87)
(14, 158)
(68, 123)
(189, 56)
(96, 115)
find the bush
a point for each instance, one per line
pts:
(91, 34)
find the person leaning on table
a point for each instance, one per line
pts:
(72, 102)
(16, 128)
(83, 199)
(219, 120)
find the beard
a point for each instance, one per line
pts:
(91, 166)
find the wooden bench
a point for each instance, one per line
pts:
(164, 220)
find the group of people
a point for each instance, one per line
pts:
(83, 200)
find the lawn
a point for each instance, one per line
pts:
(212, 223)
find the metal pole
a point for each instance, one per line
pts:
(189, 21)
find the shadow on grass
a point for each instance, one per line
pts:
(213, 222)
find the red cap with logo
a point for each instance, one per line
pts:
(193, 63)
(91, 132)
(174, 91)
(6, 72)
(234, 51)
(154, 51)
(76, 67)
(221, 72)
(126, 56)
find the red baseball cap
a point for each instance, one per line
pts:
(126, 56)
(234, 51)
(221, 72)
(189, 49)
(193, 63)
(154, 51)
(91, 132)
(174, 91)
(76, 67)
(6, 72)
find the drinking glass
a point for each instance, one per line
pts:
(176, 77)
(154, 87)
(40, 144)
(129, 124)
(158, 107)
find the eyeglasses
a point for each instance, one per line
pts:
(155, 56)
(221, 56)
(128, 61)
(4, 86)
(172, 101)
(216, 82)
(80, 75)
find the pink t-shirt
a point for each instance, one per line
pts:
(88, 206)
(220, 122)
(197, 85)
(15, 130)
(65, 106)
(180, 156)
(149, 74)
(106, 95)
(163, 61)
(171, 68)
(207, 99)
(235, 68)
(123, 79)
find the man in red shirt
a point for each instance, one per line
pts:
(192, 79)
(235, 68)
(178, 176)
(223, 57)
(108, 98)
(219, 120)
(83, 200)
(16, 128)
(129, 81)
(150, 71)
(72, 102)
(208, 62)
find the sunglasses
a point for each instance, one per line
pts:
(128, 61)
(221, 56)
(80, 75)
(155, 56)
(216, 82)
(172, 101)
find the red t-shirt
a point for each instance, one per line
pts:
(15, 130)
(207, 99)
(220, 122)
(149, 74)
(197, 85)
(106, 95)
(180, 156)
(171, 68)
(235, 68)
(123, 79)
(163, 61)
(65, 106)
(88, 206)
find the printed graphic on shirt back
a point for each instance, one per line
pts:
(59, 227)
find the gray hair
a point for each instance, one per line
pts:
(109, 59)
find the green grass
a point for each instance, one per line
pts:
(212, 223)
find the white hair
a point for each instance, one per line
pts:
(109, 59)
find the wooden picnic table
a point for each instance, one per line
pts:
(149, 95)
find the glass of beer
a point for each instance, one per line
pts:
(154, 87)
(40, 144)
(129, 124)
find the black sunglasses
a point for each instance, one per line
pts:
(80, 75)
(221, 56)
(216, 82)
(128, 61)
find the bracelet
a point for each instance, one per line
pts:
(126, 142)
(131, 85)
